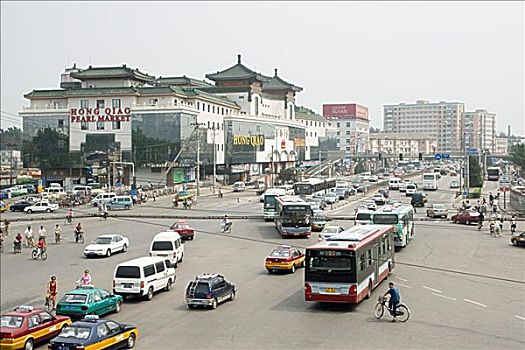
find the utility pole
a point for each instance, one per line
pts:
(214, 159)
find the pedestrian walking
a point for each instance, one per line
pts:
(154, 195)
(6, 227)
(513, 225)
(495, 205)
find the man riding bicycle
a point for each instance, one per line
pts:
(69, 216)
(395, 299)
(78, 232)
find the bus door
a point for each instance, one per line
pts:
(375, 258)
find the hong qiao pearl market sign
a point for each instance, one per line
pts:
(108, 114)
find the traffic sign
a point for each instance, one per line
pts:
(445, 155)
(465, 193)
(437, 156)
(504, 189)
(472, 150)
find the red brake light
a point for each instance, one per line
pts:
(141, 284)
(307, 288)
(353, 289)
(208, 295)
(79, 347)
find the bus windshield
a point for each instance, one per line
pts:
(330, 265)
(389, 219)
(429, 177)
(269, 202)
(296, 214)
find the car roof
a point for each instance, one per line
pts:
(167, 234)
(145, 260)
(182, 222)
(22, 313)
(111, 235)
(83, 290)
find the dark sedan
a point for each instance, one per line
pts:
(20, 206)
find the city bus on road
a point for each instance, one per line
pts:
(493, 173)
(401, 217)
(313, 185)
(293, 217)
(346, 267)
(430, 181)
(270, 203)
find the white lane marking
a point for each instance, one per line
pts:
(520, 317)
(403, 285)
(432, 289)
(401, 279)
(474, 302)
(443, 296)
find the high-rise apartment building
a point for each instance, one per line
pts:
(480, 130)
(440, 120)
(352, 124)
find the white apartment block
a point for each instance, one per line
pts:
(440, 120)
(11, 159)
(409, 144)
(501, 146)
(480, 130)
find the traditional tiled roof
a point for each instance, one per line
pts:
(224, 89)
(276, 83)
(181, 81)
(236, 72)
(61, 93)
(112, 73)
(304, 113)
(204, 94)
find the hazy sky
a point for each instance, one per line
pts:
(371, 53)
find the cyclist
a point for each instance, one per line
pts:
(481, 219)
(28, 233)
(41, 245)
(69, 216)
(18, 243)
(85, 279)
(225, 223)
(42, 233)
(51, 293)
(395, 299)
(78, 232)
(58, 233)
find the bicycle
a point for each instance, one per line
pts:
(38, 253)
(226, 228)
(69, 220)
(79, 237)
(49, 304)
(402, 311)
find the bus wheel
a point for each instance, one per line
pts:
(369, 291)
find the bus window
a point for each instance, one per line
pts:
(369, 257)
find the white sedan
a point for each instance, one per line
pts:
(41, 207)
(106, 245)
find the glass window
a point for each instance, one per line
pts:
(11, 321)
(61, 123)
(102, 331)
(103, 293)
(149, 270)
(113, 327)
(100, 126)
(115, 125)
(362, 262)
(84, 103)
(100, 103)
(127, 272)
(97, 296)
(160, 266)
(115, 102)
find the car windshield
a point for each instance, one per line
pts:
(331, 194)
(102, 240)
(330, 230)
(75, 332)
(74, 298)
(11, 321)
(202, 287)
(439, 206)
(183, 226)
(279, 253)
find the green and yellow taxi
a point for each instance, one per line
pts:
(183, 195)
(93, 333)
(88, 300)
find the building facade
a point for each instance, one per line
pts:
(442, 121)
(352, 124)
(501, 147)
(480, 130)
(243, 122)
(410, 144)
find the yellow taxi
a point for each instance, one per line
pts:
(26, 326)
(284, 258)
(3, 207)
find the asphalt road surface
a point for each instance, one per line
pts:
(465, 288)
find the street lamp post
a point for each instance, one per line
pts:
(198, 168)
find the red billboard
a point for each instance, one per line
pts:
(345, 111)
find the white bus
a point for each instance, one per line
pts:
(430, 181)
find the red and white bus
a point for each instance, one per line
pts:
(346, 267)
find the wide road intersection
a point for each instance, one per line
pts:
(465, 288)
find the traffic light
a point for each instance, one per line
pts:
(420, 156)
(400, 156)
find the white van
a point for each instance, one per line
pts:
(81, 189)
(393, 183)
(102, 197)
(168, 245)
(143, 276)
(55, 191)
(363, 217)
(239, 186)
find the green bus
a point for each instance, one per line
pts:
(401, 217)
